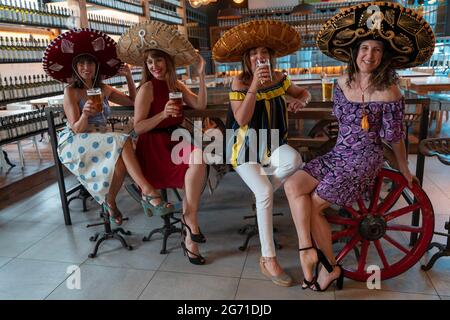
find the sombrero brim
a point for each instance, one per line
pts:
(403, 30)
(57, 60)
(149, 35)
(276, 35)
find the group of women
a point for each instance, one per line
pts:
(367, 104)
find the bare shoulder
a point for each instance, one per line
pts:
(393, 93)
(238, 84)
(70, 90)
(342, 81)
(148, 85)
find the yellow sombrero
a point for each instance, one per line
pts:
(154, 35)
(276, 35)
(403, 30)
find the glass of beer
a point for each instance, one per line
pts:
(264, 63)
(177, 99)
(95, 94)
(327, 89)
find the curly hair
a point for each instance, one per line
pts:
(382, 77)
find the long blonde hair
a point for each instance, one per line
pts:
(171, 76)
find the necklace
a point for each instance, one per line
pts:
(365, 118)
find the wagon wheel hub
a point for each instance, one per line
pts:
(372, 227)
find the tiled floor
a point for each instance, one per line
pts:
(37, 252)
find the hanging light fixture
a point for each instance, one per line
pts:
(238, 1)
(198, 3)
(302, 9)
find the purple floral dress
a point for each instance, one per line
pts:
(348, 171)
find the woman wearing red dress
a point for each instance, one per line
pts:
(160, 49)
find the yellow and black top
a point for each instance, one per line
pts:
(255, 141)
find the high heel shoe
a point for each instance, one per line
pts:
(115, 216)
(196, 237)
(283, 279)
(160, 209)
(339, 280)
(197, 259)
(321, 259)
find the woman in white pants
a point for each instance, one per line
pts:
(258, 151)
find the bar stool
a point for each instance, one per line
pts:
(439, 147)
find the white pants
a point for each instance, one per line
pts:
(264, 181)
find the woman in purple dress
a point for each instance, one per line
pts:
(369, 108)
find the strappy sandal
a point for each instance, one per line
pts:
(321, 259)
(160, 209)
(115, 216)
(196, 237)
(339, 281)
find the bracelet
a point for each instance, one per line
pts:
(251, 92)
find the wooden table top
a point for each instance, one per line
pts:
(423, 85)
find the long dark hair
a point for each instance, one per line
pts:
(171, 75)
(77, 82)
(382, 77)
(247, 72)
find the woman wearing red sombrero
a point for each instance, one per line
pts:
(258, 107)
(160, 48)
(374, 39)
(100, 159)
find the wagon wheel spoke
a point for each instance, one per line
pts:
(381, 254)
(390, 200)
(335, 219)
(363, 255)
(401, 227)
(395, 244)
(353, 212)
(376, 194)
(362, 206)
(342, 234)
(397, 213)
(348, 247)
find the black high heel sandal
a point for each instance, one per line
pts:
(339, 280)
(321, 259)
(196, 237)
(197, 259)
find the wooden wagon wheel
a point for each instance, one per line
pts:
(379, 230)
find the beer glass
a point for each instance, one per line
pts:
(327, 89)
(264, 63)
(177, 100)
(95, 94)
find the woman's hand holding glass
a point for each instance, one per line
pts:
(172, 109)
(89, 108)
(261, 75)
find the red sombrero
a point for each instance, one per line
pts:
(58, 56)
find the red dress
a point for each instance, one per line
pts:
(154, 147)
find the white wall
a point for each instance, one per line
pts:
(261, 4)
